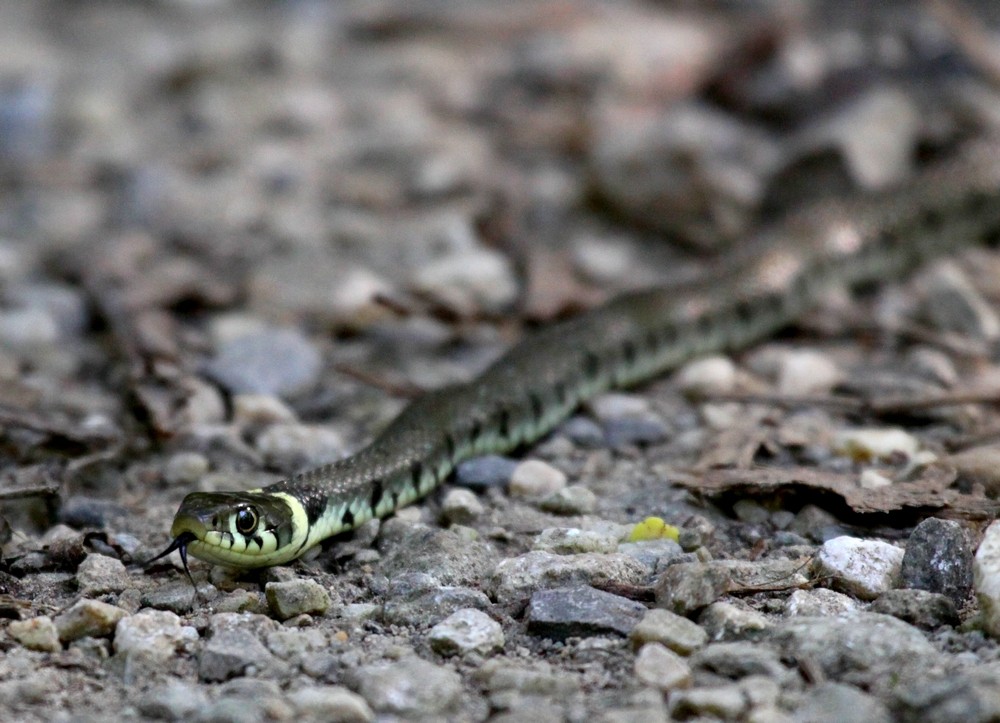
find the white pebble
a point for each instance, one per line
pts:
(461, 506)
(260, 409)
(986, 579)
(710, 375)
(807, 372)
(467, 630)
(869, 443)
(660, 667)
(470, 280)
(864, 568)
(873, 480)
(618, 406)
(534, 479)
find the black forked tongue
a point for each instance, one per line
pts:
(179, 543)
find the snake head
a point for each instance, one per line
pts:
(238, 529)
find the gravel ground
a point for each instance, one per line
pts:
(236, 236)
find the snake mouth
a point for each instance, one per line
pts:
(179, 543)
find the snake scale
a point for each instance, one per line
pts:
(634, 337)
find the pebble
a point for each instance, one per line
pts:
(470, 281)
(986, 579)
(330, 703)
(156, 633)
(627, 432)
(177, 597)
(726, 621)
(250, 410)
(743, 659)
(583, 432)
(178, 700)
(580, 611)
(461, 506)
(850, 643)
(517, 578)
(659, 667)
(819, 602)
(466, 631)
(296, 597)
(416, 598)
(568, 541)
(63, 303)
(923, 609)
(25, 330)
(88, 617)
(970, 694)
(751, 511)
(234, 648)
(979, 466)
(533, 479)
(411, 688)
(806, 372)
(293, 445)
(275, 361)
(939, 558)
(688, 587)
(875, 444)
(654, 554)
(455, 556)
(668, 629)
(185, 469)
(864, 568)
(100, 575)
(570, 500)
(707, 376)
(38, 633)
(614, 405)
(603, 260)
(727, 702)
(831, 702)
(488, 471)
(953, 303)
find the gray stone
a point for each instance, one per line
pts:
(654, 554)
(291, 445)
(488, 471)
(836, 702)
(629, 432)
(515, 579)
(857, 642)
(466, 630)
(469, 281)
(416, 598)
(927, 610)
(410, 687)
(570, 500)
(177, 700)
(727, 702)
(581, 611)
(88, 617)
(449, 555)
(687, 587)
(234, 647)
(534, 479)
(296, 597)
(819, 602)
(185, 468)
(461, 506)
(986, 579)
(177, 597)
(330, 703)
(100, 575)
(272, 361)
(664, 627)
(970, 695)
(153, 632)
(570, 540)
(741, 660)
(583, 432)
(659, 667)
(727, 621)
(938, 558)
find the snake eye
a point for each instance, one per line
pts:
(246, 520)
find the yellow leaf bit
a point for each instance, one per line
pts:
(653, 528)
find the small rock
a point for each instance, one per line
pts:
(467, 630)
(865, 568)
(580, 611)
(100, 575)
(177, 700)
(250, 410)
(570, 500)
(871, 479)
(488, 471)
(707, 376)
(801, 373)
(726, 621)
(969, 694)
(820, 602)
(534, 479)
(411, 688)
(659, 667)
(568, 541)
(583, 432)
(875, 444)
(461, 507)
(986, 578)
(290, 446)
(603, 260)
(273, 361)
(515, 579)
(36, 634)
(675, 632)
(836, 702)
(470, 281)
(743, 660)
(953, 303)
(938, 558)
(234, 647)
(727, 702)
(88, 617)
(751, 511)
(687, 587)
(612, 406)
(177, 597)
(185, 468)
(418, 599)
(927, 610)
(27, 329)
(65, 304)
(628, 432)
(156, 633)
(979, 466)
(654, 554)
(455, 556)
(296, 597)
(330, 703)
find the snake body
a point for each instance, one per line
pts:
(634, 337)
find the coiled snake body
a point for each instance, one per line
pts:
(636, 336)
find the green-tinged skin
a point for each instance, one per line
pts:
(637, 336)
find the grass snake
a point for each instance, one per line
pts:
(634, 337)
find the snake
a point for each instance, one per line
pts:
(841, 242)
